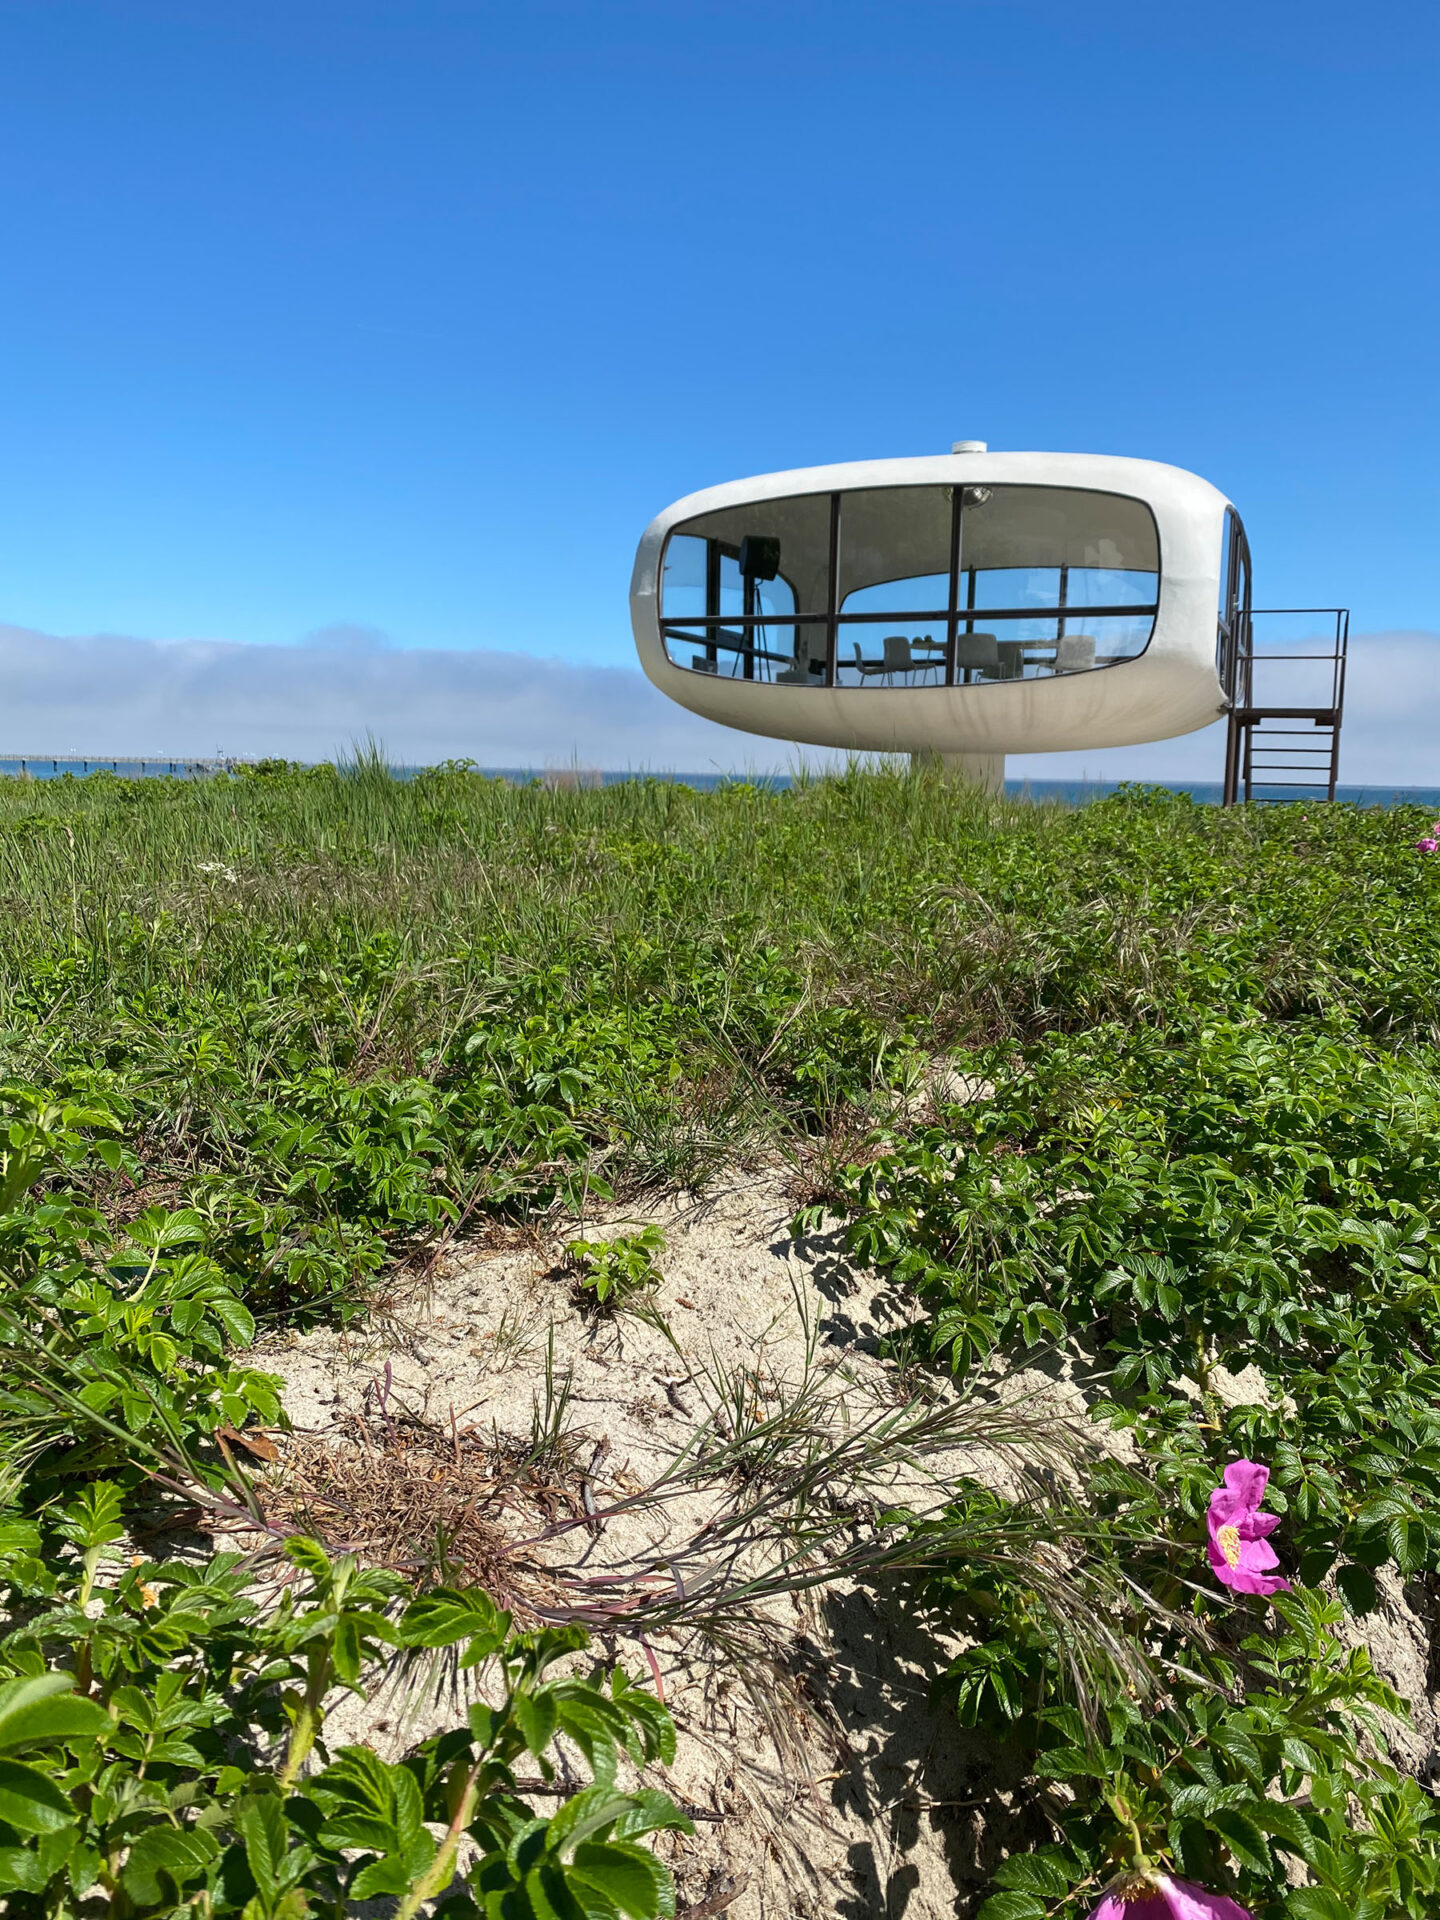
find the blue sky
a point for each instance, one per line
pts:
(407, 317)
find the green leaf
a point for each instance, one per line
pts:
(536, 1715)
(84, 1869)
(309, 1556)
(1013, 1906)
(234, 1317)
(94, 1517)
(551, 1897)
(394, 1873)
(648, 1715)
(1320, 1903)
(1286, 1824)
(30, 1801)
(525, 1846)
(156, 1229)
(1233, 1737)
(1034, 1873)
(264, 1831)
(1405, 1539)
(44, 1709)
(584, 1814)
(1243, 1837)
(1385, 1506)
(1314, 1564)
(409, 1808)
(351, 1828)
(448, 1614)
(1299, 1754)
(346, 1649)
(650, 1811)
(21, 1870)
(164, 1860)
(52, 1850)
(1358, 1585)
(629, 1877)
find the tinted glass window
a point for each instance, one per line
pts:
(1005, 583)
(738, 578)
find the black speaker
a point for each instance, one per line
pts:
(759, 556)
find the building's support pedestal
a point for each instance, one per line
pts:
(983, 770)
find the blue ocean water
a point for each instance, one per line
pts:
(1078, 791)
(1071, 792)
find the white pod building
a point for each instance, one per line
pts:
(963, 606)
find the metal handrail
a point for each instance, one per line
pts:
(972, 615)
(1247, 717)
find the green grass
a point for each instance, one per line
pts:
(466, 972)
(267, 1040)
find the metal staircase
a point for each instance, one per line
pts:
(1286, 695)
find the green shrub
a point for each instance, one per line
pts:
(612, 1273)
(264, 1037)
(157, 1729)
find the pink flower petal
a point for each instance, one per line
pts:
(1171, 1900)
(1189, 1902)
(1247, 1482)
(1225, 1509)
(1246, 1580)
(1242, 1558)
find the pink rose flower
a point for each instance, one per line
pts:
(1427, 845)
(1239, 1552)
(1155, 1896)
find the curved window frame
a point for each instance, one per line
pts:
(959, 616)
(1232, 640)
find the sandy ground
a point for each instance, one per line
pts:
(848, 1794)
(821, 1779)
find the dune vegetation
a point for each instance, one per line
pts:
(272, 1043)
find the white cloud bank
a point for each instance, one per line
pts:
(111, 697)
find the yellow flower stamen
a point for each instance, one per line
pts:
(1131, 1886)
(1229, 1543)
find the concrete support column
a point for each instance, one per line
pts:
(983, 770)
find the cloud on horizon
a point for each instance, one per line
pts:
(112, 696)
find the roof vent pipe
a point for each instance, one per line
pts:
(968, 446)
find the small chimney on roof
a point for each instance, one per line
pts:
(968, 446)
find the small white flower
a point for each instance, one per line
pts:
(219, 869)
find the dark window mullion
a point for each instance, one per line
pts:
(712, 598)
(952, 617)
(832, 593)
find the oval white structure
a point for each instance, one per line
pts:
(966, 605)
